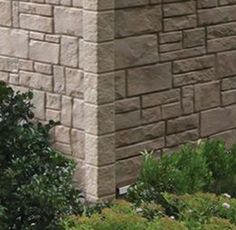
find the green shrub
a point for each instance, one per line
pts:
(222, 164)
(209, 167)
(198, 209)
(166, 223)
(35, 180)
(201, 211)
(120, 216)
(219, 224)
(183, 172)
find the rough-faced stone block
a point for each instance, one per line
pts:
(188, 99)
(100, 149)
(44, 51)
(78, 114)
(100, 181)
(183, 53)
(217, 15)
(171, 110)
(99, 26)
(120, 84)
(43, 68)
(127, 105)
(14, 42)
(78, 143)
(149, 79)
(36, 80)
(66, 110)
(99, 89)
(62, 134)
(134, 150)
(137, 20)
(39, 103)
(194, 77)
(221, 30)
(69, 51)
(68, 21)
(4, 76)
(207, 95)
(194, 37)
(53, 101)
(212, 123)
(179, 8)
(127, 171)
(207, 3)
(226, 64)
(160, 98)
(191, 64)
(181, 138)
(122, 120)
(98, 57)
(135, 51)
(34, 8)
(5, 13)
(36, 23)
(229, 97)
(151, 115)
(99, 5)
(179, 23)
(94, 117)
(9, 64)
(229, 83)
(229, 137)
(74, 82)
(182, 124)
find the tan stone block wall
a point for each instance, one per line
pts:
(175, 76)
(123, 76)
(41, 45)
(63, 51)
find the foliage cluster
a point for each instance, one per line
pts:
(197, 212)
(36, 181)
(208, 167)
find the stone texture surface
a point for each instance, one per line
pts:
(123, 76)
(186, 80)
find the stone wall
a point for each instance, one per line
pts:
(123, 76)
(175, 78)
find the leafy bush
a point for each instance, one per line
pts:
(207, 167)
(196, 212)
(201, 209)
(120, 216)
(35, 180)
(222, 164)
(183, 172)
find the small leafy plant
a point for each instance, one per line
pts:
(36, 181)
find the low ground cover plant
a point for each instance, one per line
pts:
(196, 212)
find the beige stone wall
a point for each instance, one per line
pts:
(41, 48)
(175, 76)
(123, 76)
(63, 50)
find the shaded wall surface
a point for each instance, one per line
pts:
(175, 78)
(123, 76)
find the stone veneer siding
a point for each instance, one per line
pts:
(123, 76)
